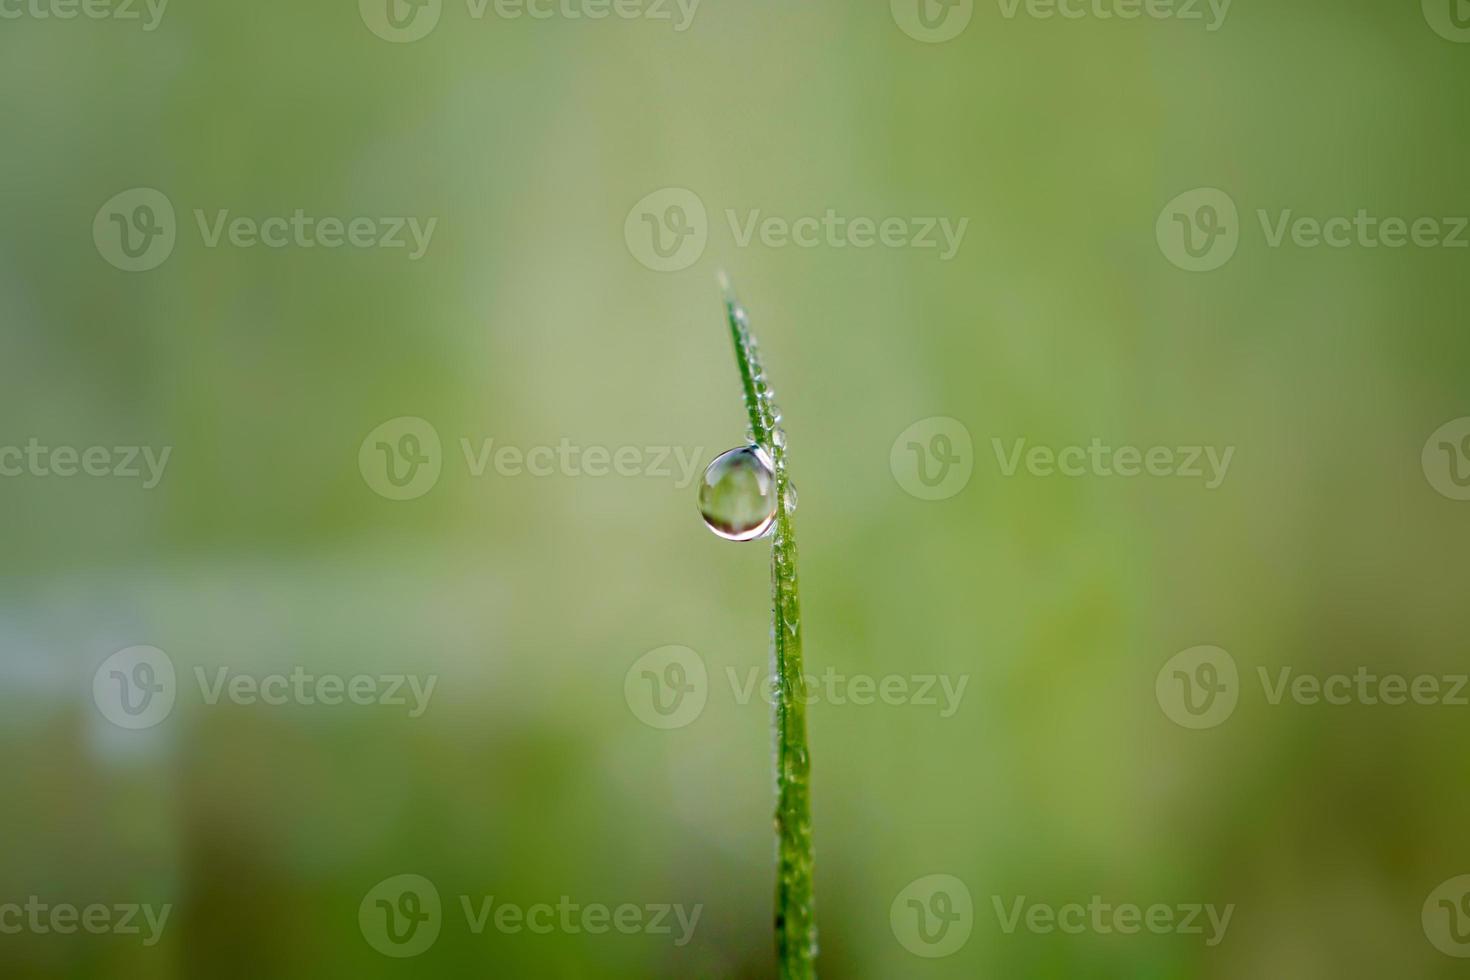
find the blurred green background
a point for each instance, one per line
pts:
(533, 320)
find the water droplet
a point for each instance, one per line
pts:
(789, 614)
(790, 498)
(737, 496)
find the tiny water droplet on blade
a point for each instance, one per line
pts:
(737, 495)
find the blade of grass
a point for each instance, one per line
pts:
(796, 926)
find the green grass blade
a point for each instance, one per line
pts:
(796, 926)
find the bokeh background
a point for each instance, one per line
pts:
(532, 321)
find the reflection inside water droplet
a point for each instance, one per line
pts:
(737, 496)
